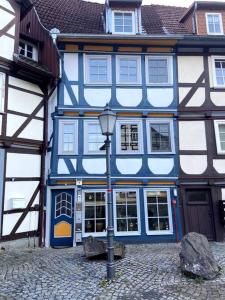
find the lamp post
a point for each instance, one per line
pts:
(107, 120)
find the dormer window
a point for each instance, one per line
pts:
(28, 50)
(214, 23)
(123, 22)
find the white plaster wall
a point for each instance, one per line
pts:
(23, 165)
(129, 97)
(67, 99)
(12, 30)
(192, 135)
(33, 131)
(160, 97)
(71, 66)
(25, 85)
(22, 101)
(9, 221)
(52, 103)
(218, 98)
(62, 167)
(197, 99)
(223, 194)
(30, 222)
(7, 5)
(189, 68)
(94, 166)
(0, 124)
(161, 166)
(13, 123)
(5, 18)
(97, 97)
(193, 164)
(7, 47)
(20, 189)
(210, 72)
(219, 165)
(128, 165)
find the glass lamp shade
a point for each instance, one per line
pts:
(107, 120)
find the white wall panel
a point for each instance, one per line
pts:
(7, 47)
(23, 165)
(62, 167)
(5, 18)
(12, 30)
(13, 123)
(197, 99)
(30, 222)
(129, 166)
(210, 72)
(7, 5)
(9, 221)
(218, 98)
(160, 97)
(97, 97)
(129, 97)
(94, 166)
(22, 101)
(33, 131)
(67, 98)
(193, 164)
(219, 165)
(71, 66)
(223, 194)
(189, 68)
(0, 124)
(192, 135)
(25, 85)
(19, 189)
(161, 166)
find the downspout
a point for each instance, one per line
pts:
(195, 29)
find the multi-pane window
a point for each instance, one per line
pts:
(160, 137)
(98, 69)
(219, 71)
(158, 212)
(129, 137)
(27, 50)
(128, 70)
(2, 91)
(159, 70)
(126, 212)
(94, 213)
(214, 23)
(123, 22)
(68, 137)
(63, 205)
(93, 137)
(220, 136)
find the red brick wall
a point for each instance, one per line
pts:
(201, 20)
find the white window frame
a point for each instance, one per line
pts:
(118, 135)
(60, 137)
(217, 135)
(133, 22)
(87, 58)
(86, 151)
(138, 59)
(161, 121)
(158, 232)
(220, 21)
(34, 52)
(214, 58)
(2, 92)
(170, 70)
(127, 233)
(95, 234)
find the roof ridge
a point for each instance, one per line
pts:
(166, 6)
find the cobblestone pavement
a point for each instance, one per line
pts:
(149, 271)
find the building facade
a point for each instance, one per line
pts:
(24, 92)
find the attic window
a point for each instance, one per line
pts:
(214, 23)
(28, 50)
(123, 22)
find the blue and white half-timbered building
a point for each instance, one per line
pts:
(137, 77)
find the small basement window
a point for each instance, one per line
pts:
(28, 50)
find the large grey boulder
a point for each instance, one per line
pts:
(94, 248)
(196, 257)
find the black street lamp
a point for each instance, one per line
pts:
(107, 120)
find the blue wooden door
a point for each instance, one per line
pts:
(62, 218)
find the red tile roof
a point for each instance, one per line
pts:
(77, 16)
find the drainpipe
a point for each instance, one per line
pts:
(194, 21)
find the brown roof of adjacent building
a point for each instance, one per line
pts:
(77, 16)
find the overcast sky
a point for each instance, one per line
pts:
(185, 3)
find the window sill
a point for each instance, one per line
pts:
(97, 84)
(209, 33)
(129, 153)
(161, 153)
(118, 84)
(124, 233)
(103, 234)
(160, 232)
(219, 87)
(159, 85)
